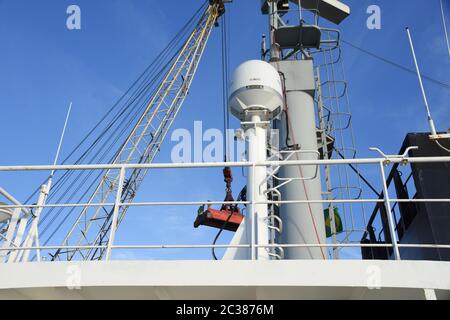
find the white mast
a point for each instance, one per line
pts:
(256, 97)
(256, 134)
(303, 223)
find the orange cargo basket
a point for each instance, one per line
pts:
(218, 219)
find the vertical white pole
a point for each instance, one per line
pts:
(33, 237)
(58, 151)
(10, 233)
(257, 142)
(251, 191)
(61, 140)
(14, 255)
(33, 234)
(391, 221)
(300, 12)
(115, 213)
(445, 27)
(425, 100)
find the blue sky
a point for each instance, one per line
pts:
(44, 66)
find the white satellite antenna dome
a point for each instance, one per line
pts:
(255, 87)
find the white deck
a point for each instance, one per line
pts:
(226, 280)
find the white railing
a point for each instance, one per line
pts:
(380, 162)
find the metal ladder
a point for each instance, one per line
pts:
(274, 221)
(273, 193)
(335, 120)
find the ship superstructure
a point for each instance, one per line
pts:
(302, 205)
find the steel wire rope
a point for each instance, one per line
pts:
(95, 159)
(183, 31)
(397, 65)
(157, 59)
(226, 117)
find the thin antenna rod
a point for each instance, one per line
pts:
(300, 12)
(430, 119)
(61, 139)
(445, 27)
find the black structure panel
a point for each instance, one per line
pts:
(432, 181)
(417, 223)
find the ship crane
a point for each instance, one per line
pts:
(93, 223)
(292, 243)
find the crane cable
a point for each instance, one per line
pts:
(121, 132)
(158, 73)
(226, 114)
(397, 65)
(225, 83)
(129, 111)
(145, 87)
(82, 183)
(116, 117)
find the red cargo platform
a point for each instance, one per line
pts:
(218, 219)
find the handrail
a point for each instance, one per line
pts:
(381, 162)
(229, 164)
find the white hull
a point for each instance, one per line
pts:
(226, 280)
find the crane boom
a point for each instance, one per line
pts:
(91, 228)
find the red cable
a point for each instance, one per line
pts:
(301, 173)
